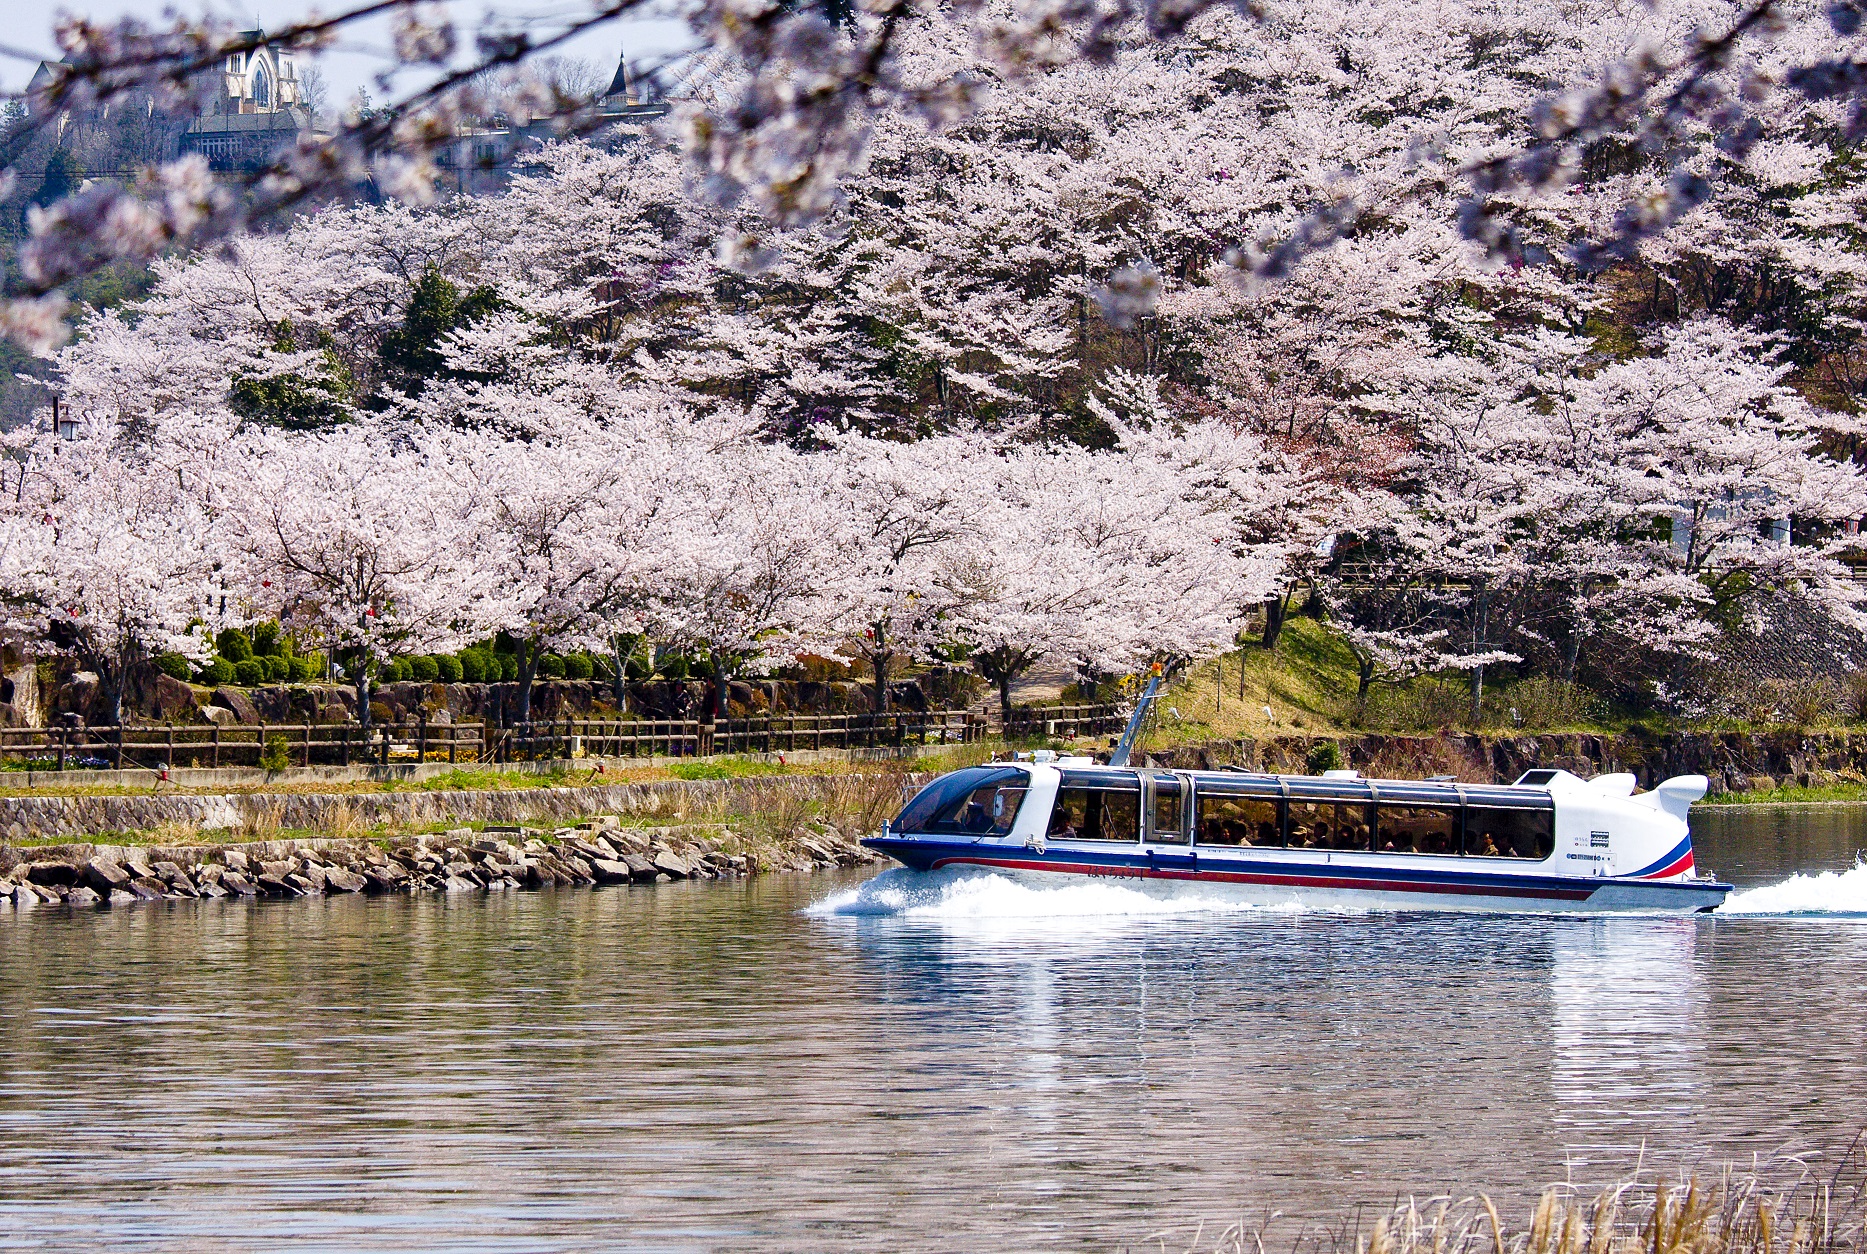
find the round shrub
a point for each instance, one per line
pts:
(701, 668)
(450, 668)
(234, 645)
(473, 666)
(638, 667)
(217, 672)
(267, 641)
(277, 669)
(249, 673)
(551, 666)
(174, 665)
(422, 667)
(674, 666)
(577, 666)
(508, 667)
(304, 669)
(396, 672)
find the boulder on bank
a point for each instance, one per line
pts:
(236, 700)
(174, 701)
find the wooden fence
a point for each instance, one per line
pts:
(1066, 720)
(777, 733)
(212, 745)
(339, 744)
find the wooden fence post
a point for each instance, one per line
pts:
(421, 735)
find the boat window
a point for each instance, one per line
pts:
(1329, 824)
(1416, 829)
(1500, 833)
(979, 800)
(1238, 820)
(1166, 828)
(1097, 814)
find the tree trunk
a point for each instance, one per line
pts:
(1364, 679)
(719, 686)
(528, 669)
(117, 676)
(622, 672)
(363, 689)
(1004, 698)
(879, 662)
(1480, 629)
(1275, 611)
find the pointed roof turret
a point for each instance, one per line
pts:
(620, 90)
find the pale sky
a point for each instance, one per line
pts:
(27, 25)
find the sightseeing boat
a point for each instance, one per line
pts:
(1549, 841)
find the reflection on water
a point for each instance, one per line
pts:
(958, 1066)
(1627, 999)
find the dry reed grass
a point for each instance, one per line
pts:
(1785, 1206)
(261, 822)
(344, 823)
(175, 832)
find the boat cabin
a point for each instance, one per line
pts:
(1338, 811)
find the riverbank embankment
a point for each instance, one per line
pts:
(603, 851)
(853, 798)
(1734, 761)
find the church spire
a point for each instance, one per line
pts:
(621, 89)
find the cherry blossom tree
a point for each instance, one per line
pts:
(108, 556)
(747, 565)
(365, 540)
(906, 507)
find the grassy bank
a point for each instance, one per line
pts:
(1791, 794)
(470, 779)
(1308, 685)
(761, 806)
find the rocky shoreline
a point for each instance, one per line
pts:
(602, 852)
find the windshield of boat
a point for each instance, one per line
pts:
(978, 801)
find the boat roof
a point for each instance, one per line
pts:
(1343, 786)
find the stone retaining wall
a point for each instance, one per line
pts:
(601, 852)
(52, 818)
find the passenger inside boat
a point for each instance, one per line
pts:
(976, 801)
(1499, 832)
(1096, 814)
(1241, 821)
(1417, 829)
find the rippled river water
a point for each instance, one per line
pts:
(966, 1066)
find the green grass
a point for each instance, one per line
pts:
(1792, 794)
(725, 768)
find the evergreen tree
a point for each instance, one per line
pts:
(413, 353)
